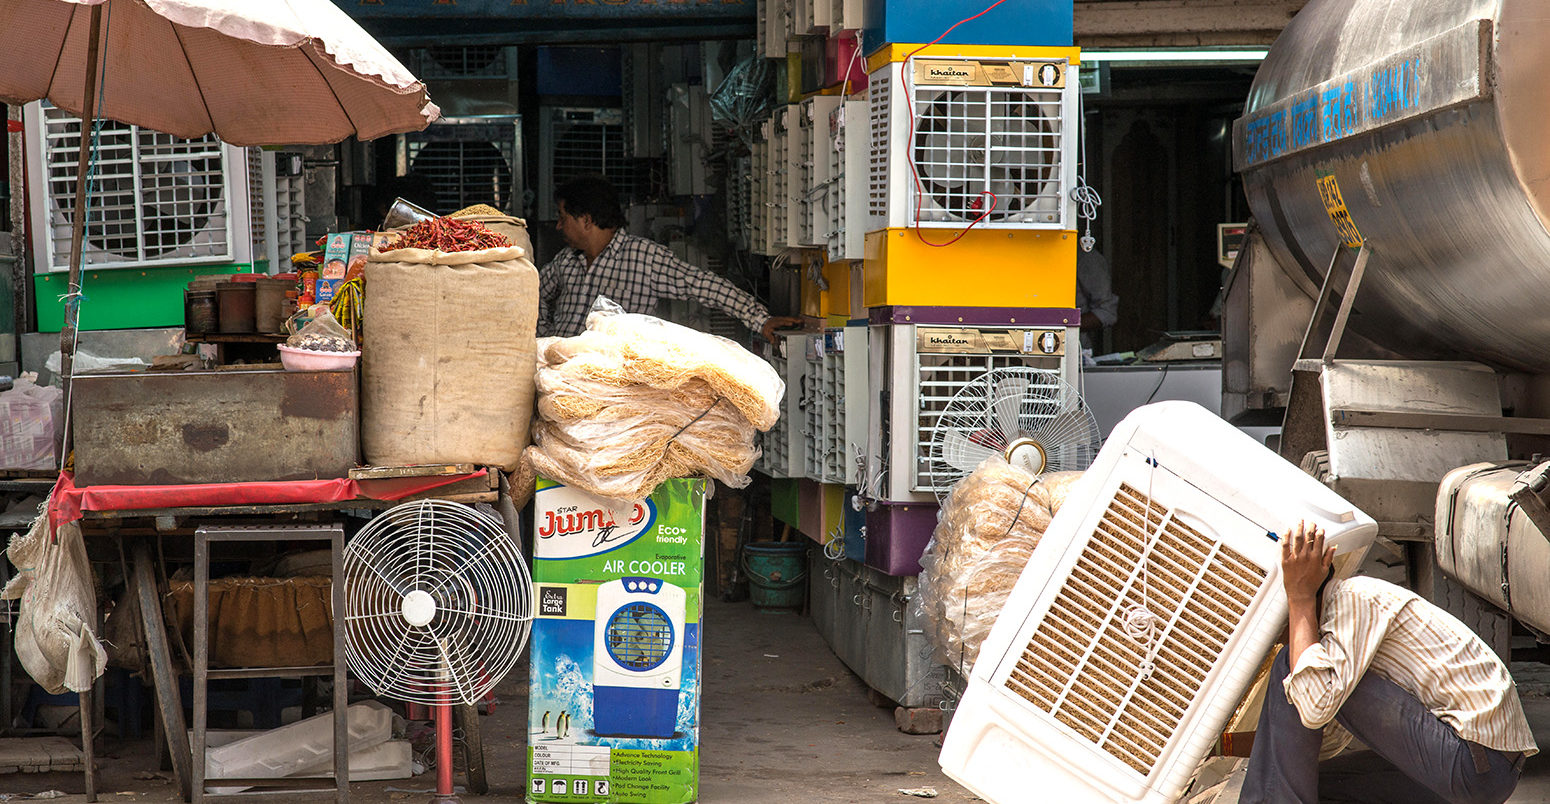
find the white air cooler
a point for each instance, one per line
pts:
(1061, 698)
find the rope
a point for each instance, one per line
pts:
(1140, 622)
(1020, 504)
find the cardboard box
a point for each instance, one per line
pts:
(360, 249)
(336, 260)
(614, 691)
(336, 256)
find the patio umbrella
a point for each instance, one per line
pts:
(254, 72)
(269, 72)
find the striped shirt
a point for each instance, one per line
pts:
(634, 273)
(1368, 624)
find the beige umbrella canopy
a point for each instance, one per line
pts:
(255, 72)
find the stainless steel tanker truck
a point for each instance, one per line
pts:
(1391, 307)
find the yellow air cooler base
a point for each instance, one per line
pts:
(984, 268)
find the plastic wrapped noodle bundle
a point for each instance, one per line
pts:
(634, 401)
(662, 354)
(989, 526)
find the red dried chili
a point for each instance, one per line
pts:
(451, 234)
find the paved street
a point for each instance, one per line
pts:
(784, 721)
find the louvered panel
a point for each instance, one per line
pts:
(879, 98)
(155, 199)
(1085, 670)
(259, 229)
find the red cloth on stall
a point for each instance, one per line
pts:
(67, 502)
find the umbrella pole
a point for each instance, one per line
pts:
(72, 312)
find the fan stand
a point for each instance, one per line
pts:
(419, 609)
(445, 793)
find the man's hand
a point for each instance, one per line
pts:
(1305, 563)
(778, 322)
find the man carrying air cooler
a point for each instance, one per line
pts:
(1410, 681)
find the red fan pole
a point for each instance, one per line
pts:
(444, 791)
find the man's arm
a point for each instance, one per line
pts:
(1100, 307)
(677, 279)
(1329, 650)
(1305, 563)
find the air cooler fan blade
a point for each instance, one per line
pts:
(1006, 403)
(963, 454)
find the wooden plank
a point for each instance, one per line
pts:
(164, 678)
(471, 497)
(412, 470)
(232, 510)
(1354, 417)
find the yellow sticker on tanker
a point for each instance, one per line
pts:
(1334, 204)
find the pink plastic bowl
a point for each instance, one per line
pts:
(308, 360)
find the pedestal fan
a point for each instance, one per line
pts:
(1030, 416)
(438, 605)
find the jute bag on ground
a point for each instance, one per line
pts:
(447, 356)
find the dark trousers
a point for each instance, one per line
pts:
(1284, 765)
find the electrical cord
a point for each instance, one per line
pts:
(1083, 194)
(909, 107)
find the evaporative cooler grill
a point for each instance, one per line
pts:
(1141, 620)
(638, 658)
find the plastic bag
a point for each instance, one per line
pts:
(662, 354)
(316, 329)
(29, 425)
(54, 632)
(989, 526)
(635, 401)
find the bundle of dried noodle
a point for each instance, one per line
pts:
(989, 526)
(622, 407)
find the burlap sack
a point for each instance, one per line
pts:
(260, 622)
(447, 357)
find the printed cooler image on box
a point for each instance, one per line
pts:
(614, 695)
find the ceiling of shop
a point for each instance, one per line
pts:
(1181, 23)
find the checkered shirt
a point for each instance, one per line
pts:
(635, 273)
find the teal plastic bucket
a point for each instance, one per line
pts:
(777, 574)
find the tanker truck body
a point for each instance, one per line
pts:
(1392, 306)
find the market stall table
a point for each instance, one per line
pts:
(110, 515)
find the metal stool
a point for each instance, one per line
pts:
(203, 536)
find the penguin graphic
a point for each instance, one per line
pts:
(544, 729)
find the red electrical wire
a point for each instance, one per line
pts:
(909, 108)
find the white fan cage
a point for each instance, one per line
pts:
(967, 141)
(470, 568)
(1005, 406)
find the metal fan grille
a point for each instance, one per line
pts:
(1001, 408)
(639, 636)
(470, 567)
(1082, 668)
(158, 199)
(1006, 142)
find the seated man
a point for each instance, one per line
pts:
(1407, 679)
